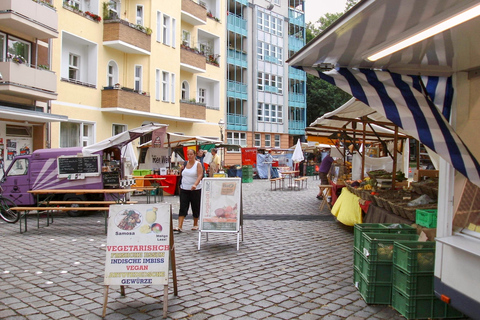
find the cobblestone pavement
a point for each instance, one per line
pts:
(295, 262)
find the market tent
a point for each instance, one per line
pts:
(122, 138)
(415, 91)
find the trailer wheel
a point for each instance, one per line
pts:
(74, 213)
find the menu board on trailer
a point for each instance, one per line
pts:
(221, 204)
(138, 244)
(71, 165)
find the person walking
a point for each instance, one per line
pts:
(214, 165)
(323, 171)
(190, 190)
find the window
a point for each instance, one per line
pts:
(277, 141)
(112, 74)
(139, 15)
(76, 134)
(201, 95)
(118, 128)
(270, 24)
(159, 32)
(138, 79)
(268, 140)
(186, 38)
(174, 24)
(258, 141)
(269, 112)
(75, 4)
(80, 61)
(157, 85)
(19, 168)
(166, 30)
(73, 67)
(165, 85)
(185, 90)
(172, 84)
(113, 9)
(239, 138)
(18, 48)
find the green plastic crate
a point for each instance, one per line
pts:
(145, 172)
(414, 256)
(413, 307)
(137, 172)
(376, 272)
(398, 228)
(413, 284)
(379, 246)
(445, 311)
(372, 292)
(426, 218)
(247, 179)
(356, 276)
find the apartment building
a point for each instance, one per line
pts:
(266, 99)
(27, 85)
(121, 64)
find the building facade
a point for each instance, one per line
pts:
(266, 99)
(27, 84)
(121, 64)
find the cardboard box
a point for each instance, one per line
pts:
(419, 174)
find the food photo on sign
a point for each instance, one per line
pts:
(220, 204)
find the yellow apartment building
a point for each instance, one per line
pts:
(121, 64)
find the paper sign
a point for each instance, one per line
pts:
(138, 247)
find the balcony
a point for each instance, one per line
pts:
(236, 121)
(295, 43)
(194, 13)
(297, 100)
(296, 127)
(38, 20)
(296, 17)
(237, 57)
(125, 98)
(296, 74)
(236, 24)
(192, 60)
(23, 81)
(192, 109)
(126, 37)
(237, 90)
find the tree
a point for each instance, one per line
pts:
(322, 97)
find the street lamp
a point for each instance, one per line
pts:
(221, 124)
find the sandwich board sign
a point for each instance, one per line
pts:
(139, 247)
(221, 207)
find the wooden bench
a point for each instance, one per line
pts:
(89, 202)
(26, 210)
(298, 182)
(273, 182)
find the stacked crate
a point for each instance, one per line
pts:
(373, 252)
(247, 174)
(413, 273)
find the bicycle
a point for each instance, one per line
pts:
(6, 214)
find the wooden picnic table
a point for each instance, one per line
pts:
(44, 205)
(290, 175)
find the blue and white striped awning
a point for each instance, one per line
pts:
(400, 99)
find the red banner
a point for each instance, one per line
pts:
(249, 156)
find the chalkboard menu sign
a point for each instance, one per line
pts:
(111, 178)
(68, 165)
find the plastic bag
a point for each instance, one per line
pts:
(423, 199)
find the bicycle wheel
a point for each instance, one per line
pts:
(5, 212)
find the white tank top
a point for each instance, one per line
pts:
(189, 176)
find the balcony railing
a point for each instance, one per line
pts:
(236, 121)
(125, 98)
(296, 17)
(192, 109)
(194, 13)
(296, 97)
(236, 24)
(25, 81)
(295, 43)
(126, 37)
(296, 74)
(192, 60)
(38, 20)
(296, 127)
(238, 58)
(238, 87)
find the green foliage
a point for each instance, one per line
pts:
(323, 97)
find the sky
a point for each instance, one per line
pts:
(314, 9)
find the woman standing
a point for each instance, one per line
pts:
(190, 190)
